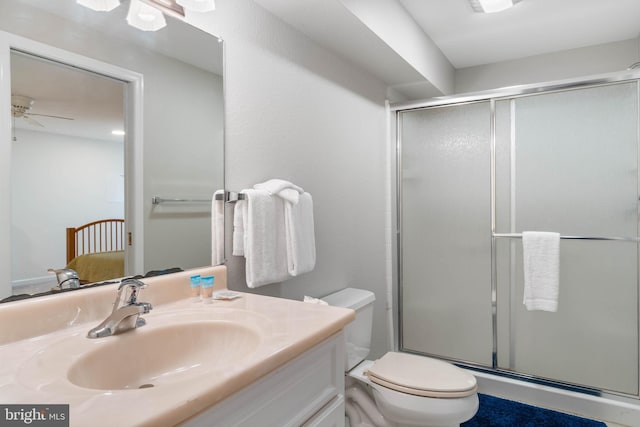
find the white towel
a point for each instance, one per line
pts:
(264, 239)
(239, 222)
(541, 252)
(300, 235)
(217, 228)
(289, 195)
(279, 187)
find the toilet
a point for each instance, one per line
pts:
(407, 389)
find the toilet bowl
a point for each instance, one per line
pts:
(418, 390)
(399, 389)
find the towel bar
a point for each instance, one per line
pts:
(156, 200)
(623, 239)
(231, 197)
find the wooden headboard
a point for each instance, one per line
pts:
(104, 235)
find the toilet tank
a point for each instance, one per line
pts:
(358, 332)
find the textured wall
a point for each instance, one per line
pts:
(297, 111)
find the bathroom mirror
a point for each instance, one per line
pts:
(173, 147)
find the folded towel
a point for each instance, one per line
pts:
(274, 186)
(541, 252)
(289, 195)
(264, 239)
(279, 187)
(300, 235)
(217, 228)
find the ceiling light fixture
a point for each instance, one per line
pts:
(148, 15)
(491, 6)
(99, 5)
(198, 5)
(145, 17)
(117, 132)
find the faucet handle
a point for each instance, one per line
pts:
(135, 285)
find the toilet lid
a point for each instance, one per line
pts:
(421, 376)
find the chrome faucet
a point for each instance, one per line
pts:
(66, 276)
(123, 317)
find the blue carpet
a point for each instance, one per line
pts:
(496, 412)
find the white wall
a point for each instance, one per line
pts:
(58, 182)
(183, 159)
(296, 111)
(567, 64)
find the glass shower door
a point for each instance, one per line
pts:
(446, 241)
(568, 162)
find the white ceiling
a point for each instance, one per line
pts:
(466, 38)
(531, 27)
(94, 102)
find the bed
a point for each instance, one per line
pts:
(96, 250)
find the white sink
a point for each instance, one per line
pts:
(154, 356)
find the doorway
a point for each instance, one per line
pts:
(68, 156)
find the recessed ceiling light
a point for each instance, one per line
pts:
(490, 6)
(117, 132)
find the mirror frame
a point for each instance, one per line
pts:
(134, 211)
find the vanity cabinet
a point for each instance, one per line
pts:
(307, 391)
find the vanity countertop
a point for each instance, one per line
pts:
(34, 370)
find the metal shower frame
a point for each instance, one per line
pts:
(492, 96)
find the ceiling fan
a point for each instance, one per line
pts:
(21, 108)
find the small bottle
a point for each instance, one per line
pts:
(195, 287)
(207, 289)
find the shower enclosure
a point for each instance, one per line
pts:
(475, 172)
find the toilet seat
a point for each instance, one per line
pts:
(421, 376)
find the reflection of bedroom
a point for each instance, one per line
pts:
(65, 173)
(87, 183)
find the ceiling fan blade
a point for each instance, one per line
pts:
(48, 115)
(33, 122)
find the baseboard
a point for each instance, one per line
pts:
(43, 281)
